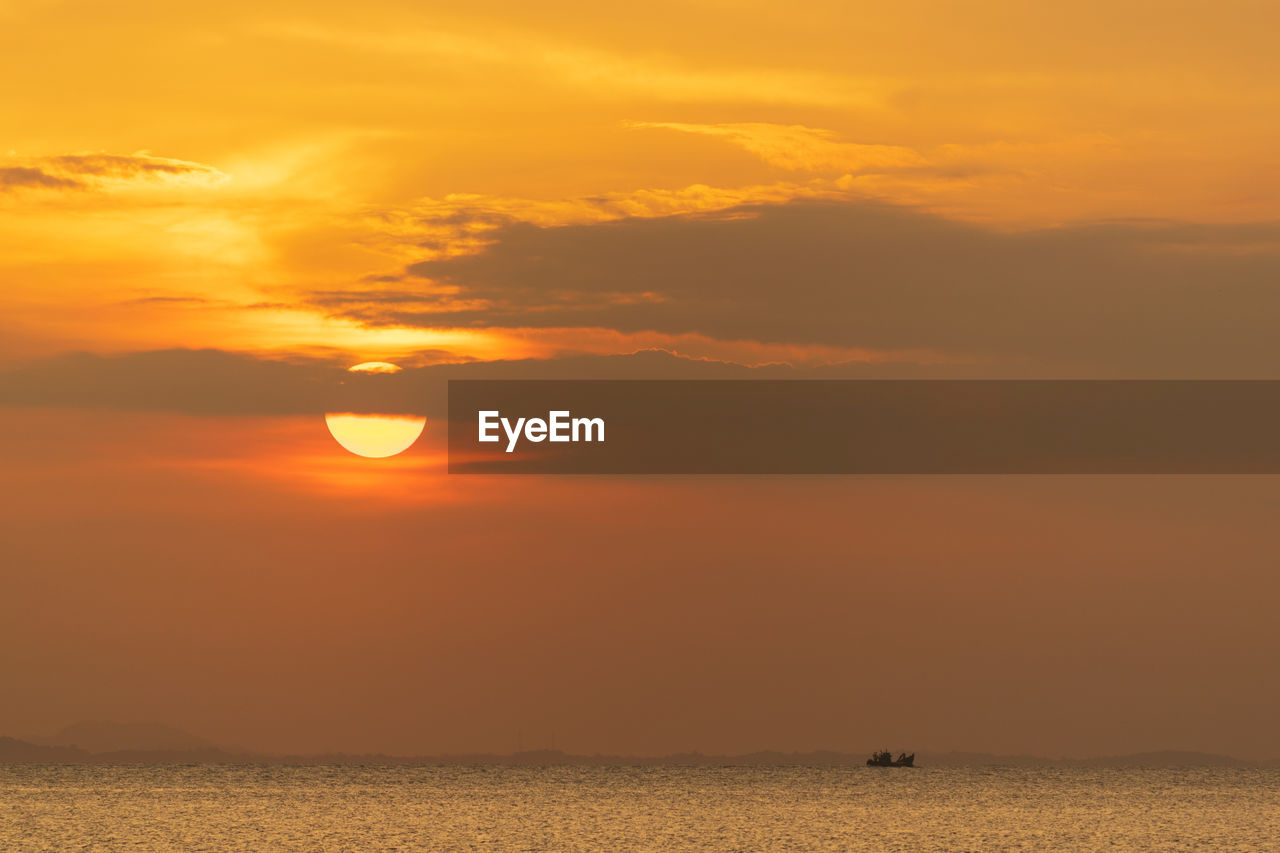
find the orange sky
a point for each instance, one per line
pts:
(266, 151)
(987, 188)
(241, 580)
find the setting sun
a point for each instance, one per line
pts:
(375, 436)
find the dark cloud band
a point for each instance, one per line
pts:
(1128, 296)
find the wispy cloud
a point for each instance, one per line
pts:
(799, 147)
(572, 65)
(463, 223)
(13, 177)
(102, 170)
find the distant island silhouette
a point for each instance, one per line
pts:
(110, 736)
(153, 743)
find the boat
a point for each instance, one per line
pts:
(886, 759)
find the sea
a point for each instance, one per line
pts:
(490, 808)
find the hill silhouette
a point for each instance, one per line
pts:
(106, 736)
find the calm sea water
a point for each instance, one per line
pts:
(193, 808)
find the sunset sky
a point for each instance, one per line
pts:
(209, 211)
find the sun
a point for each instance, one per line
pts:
(374, 436)
(374, 367)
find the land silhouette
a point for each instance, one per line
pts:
(155, 743)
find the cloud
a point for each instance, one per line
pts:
(197, 301)
(802, 148)
(1178, 299)
(223, 383)
(629, 73)
(105, 165)
(465, 223)
(218, 382)
(103, 170)
(208, 382)
(27, 176)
